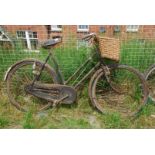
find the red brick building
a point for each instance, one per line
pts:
(31, 35)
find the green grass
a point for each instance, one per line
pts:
(80, 116)
(71, 123)
(28, 121)
(114, 120)
(3, 122)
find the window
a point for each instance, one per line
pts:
(116, 28)
(28, 38)
(83, 28)
(132, 28)
(102, 29)
(56, 27)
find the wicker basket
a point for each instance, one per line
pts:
(109, 48)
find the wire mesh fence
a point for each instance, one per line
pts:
(18, 42)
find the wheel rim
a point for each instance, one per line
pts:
(22, 75)
(122, 95)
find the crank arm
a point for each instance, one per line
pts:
(56, 102)
(53, 104)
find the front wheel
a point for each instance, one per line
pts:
(124, 91)
(21, 75)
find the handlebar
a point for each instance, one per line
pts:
(89, 36)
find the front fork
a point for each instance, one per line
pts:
(107, 73)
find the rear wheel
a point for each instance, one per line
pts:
(125, 93)
(21, 75)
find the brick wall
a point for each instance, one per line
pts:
(40, 29)
(144, 32)
(69, 32)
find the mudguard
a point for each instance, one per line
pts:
(55, 76)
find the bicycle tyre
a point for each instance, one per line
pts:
(21, 74)
(109, 92)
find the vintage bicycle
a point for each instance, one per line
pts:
(33, 84)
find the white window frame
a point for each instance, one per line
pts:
(132, 28)
(27, 38)
(55, 28)
(82, 30)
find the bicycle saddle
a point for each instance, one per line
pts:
(50, 42)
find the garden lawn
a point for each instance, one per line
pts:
(77, 116)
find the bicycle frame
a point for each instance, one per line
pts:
(79, 72)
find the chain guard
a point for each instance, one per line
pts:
(52, 92)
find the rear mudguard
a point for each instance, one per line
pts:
(55, 76)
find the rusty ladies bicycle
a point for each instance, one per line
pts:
(35, 85)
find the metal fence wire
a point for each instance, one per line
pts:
(18, 42)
